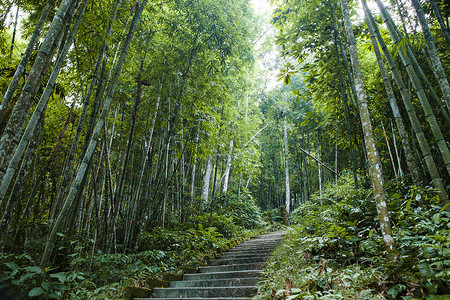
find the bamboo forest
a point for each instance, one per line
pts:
(285, 149)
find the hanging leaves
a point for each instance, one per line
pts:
(286, 73)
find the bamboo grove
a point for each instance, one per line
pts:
(115, 103)
(369, 98)
(118, 117)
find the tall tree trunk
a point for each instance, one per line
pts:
(11, 207)
(442, 144)
(344, 99)
(47, 165)
(388, 144)
(372, 153)
(399, 161)
(24, 61)
(444, 29)
(213, 194)
(93, 143)
(20, 112)
(68, 171)
(228, 168)
(12, 165)
(423, 144)
(118, 198)
(206, 181)
(14, 33)
(141, 175)
(432, 51)
(410, 161)
(287, 203)
(431, 92)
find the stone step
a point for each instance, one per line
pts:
(221, 298)
(228, 282)
(255, 246)
(251, 250)
(223, 275)
(232, 276)
(240, 260)
(262, 241)
(226, 268)
(244, 254)
(202, 292)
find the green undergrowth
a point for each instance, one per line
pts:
(105, 276)
(334, 249)
(164, 255)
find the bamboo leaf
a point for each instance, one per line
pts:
(37, 291)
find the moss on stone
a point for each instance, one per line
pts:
(188, 270)
(136, 292)
(155, 282)
(173, 276)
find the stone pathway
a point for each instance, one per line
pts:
(232, 276)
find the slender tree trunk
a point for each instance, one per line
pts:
(47, 165)
(372, 153)
(287, 204)
(399, 162)
(5, 14)
(206, 181)
(141, 175)
(68, 172)
(410, 161)
(228, 168)
(344, 100)
(442, 144)
(432, 51)
(118, 198)
(20, 112)
(14, 33)
(87, 157)
(11, 207)
(388, 144)
(431, 92)
(213, 195)
(423, 144)
(444, 29)
(41, 106)
(24, 61)
(166, 183)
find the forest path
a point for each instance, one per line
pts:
(231, 276)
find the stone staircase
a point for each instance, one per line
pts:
(232, 276)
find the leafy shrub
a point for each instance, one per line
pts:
(189, 247)
(243, 209)
(335, 250)
(21, 277)
(223, 224)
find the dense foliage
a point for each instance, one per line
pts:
(86, 273)
(335, 251)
